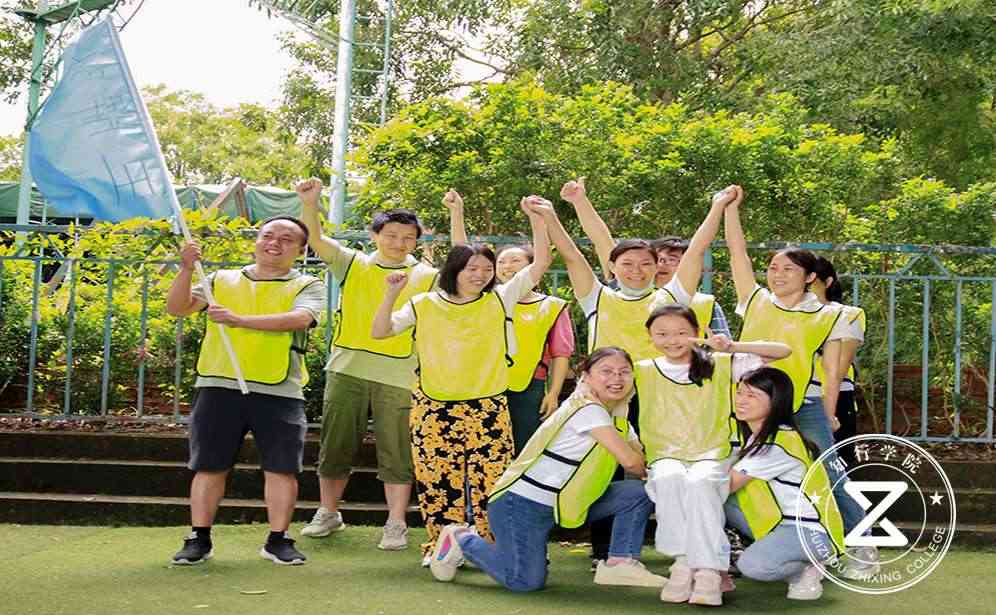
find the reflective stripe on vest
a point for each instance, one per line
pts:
(591, 475)
(618, 321)
(362, 292)
(462, 350)
(851, 314)
(803, 332)
(685, 421)
(762, 510)
(264, 356)
(532, 322)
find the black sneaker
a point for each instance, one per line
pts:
(195, 551)
(281, 551)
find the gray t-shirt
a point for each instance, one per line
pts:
(311, 298)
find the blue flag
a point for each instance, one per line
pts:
(92, 147)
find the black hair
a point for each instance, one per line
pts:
(601, 353)
(398, 216)
(528, 249)
(801, 257)
(703, 365)
(778, 386)
(824, 271)
(671, 243)
(300, 225)
(630, 244)
(457, 259)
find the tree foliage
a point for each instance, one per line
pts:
(651, 167)
(204, 144)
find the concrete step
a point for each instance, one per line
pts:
(113, 510)
(159, 478)
(961, 474)
(139, 446)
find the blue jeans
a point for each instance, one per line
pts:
(779, 555)
(517, 559)
(815, 426)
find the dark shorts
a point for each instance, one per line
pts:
(221, 418)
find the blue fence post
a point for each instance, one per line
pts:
(70, 334)
(33, 344)
(105, 372)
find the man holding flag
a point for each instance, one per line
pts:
(266, 309)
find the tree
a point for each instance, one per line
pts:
(10, 158)
(651, 167)
(202, 143)
(919, 71)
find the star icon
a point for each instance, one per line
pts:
(936, 499)
(816, 499)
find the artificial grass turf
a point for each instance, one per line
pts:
(82, 570)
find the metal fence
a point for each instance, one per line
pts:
(927, 369)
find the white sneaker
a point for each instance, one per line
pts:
(860, 563)
(323, 524)
(679, 585)
(707, 590)
(426, 560)
(395, 537)
(631, 572)
(807, 585)
(446, 555)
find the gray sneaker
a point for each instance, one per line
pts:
(323, 524)
(395, 537)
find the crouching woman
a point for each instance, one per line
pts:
(563, 477)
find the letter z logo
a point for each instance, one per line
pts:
(895, 490)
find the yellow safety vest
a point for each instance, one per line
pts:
(685, 421)
(462, 350)
(532, 321)
(590, 478)
(851, 314)
(702, 304)
(619, 321)
(803, 332)
(264, 356)
(762, 510)
(360, 295)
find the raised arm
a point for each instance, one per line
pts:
(575, 193)
(458, 228)
(578, 269)
(743, 269)
(382, 326)
(689, 270)
(541, 243)
(310, 191)
(180, 301)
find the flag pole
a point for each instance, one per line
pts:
(174, 202)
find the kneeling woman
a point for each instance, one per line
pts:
(780, 494)
(561, 478)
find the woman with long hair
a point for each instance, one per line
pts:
(778, 490)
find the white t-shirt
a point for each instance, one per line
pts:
(784, 474)
(590, 302)
(572, 442)
(510, 293)
(743, 362)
